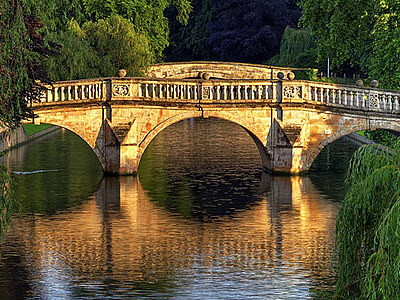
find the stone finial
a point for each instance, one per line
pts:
(290, 75)
(280, 75)
(206, 76)
(359, 82)
(374, 83)
(121, 73)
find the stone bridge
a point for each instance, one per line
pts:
(290, 121)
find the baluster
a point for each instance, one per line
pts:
(167, 91)
(362, 100)
(328, 95)
(49, 95)
(96, 91)
(350, 99)
(75, 92)
(389, 103)
(223, 92)
(345, 97)
(90, 91)
(396, 103)
(79, 95)
(339, 98)
(245, 92)
(186, 92)
(195, 92)
(356, 99)
(145, 93)
(62, 94)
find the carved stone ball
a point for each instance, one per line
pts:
(374, 83)
(291, 75)
(121, 73)
(280, 75)
(206, 76)
(359, 82)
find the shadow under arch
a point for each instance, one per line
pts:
(81, 136)
(202, 173)
(53, 172)
(393, 128)
(145, 142)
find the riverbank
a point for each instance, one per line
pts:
(13, 138)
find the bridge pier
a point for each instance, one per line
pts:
(290, 121)
(117, 149)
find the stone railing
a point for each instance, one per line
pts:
(211, 91)
(344, 96)
(208, 91)
(190, 90)
(76, 90)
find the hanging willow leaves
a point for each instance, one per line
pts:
(22, 47)
(368, 226)
(8, 205)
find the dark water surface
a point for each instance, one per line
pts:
(201, 221)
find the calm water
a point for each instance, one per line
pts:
(201, 221)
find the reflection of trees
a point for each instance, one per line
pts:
(121, 237)
(328, 171)
(202, 168)
(77, 176)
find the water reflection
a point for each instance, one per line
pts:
(118, 243)
(203, 222)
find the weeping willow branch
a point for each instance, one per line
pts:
(8, 205)
(368, 226)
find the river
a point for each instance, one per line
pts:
(200, 221)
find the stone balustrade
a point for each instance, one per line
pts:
(344, 96)
(210, 91)
(76, 90)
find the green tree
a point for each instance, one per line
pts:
(368, 226)
(99, 49)
(298, 49)
(148, 17)
(359, 32)
(22, 47)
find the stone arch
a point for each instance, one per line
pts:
(143, 144)
(78, 131)
(391, 126)
(222, 70)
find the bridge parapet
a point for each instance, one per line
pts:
(222, 91)
(341, 96)
(75, 90)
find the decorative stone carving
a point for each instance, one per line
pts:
(374, 100)
(206, 92)
(292, 92)
(121, 90)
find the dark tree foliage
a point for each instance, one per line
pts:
(22, 47)
(190, 42)
(234, 30)
(250, 31)
(298, 49)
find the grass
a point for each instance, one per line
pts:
(31, 129)
(362, 133)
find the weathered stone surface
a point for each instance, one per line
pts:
(290, 121)
(220, 70)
